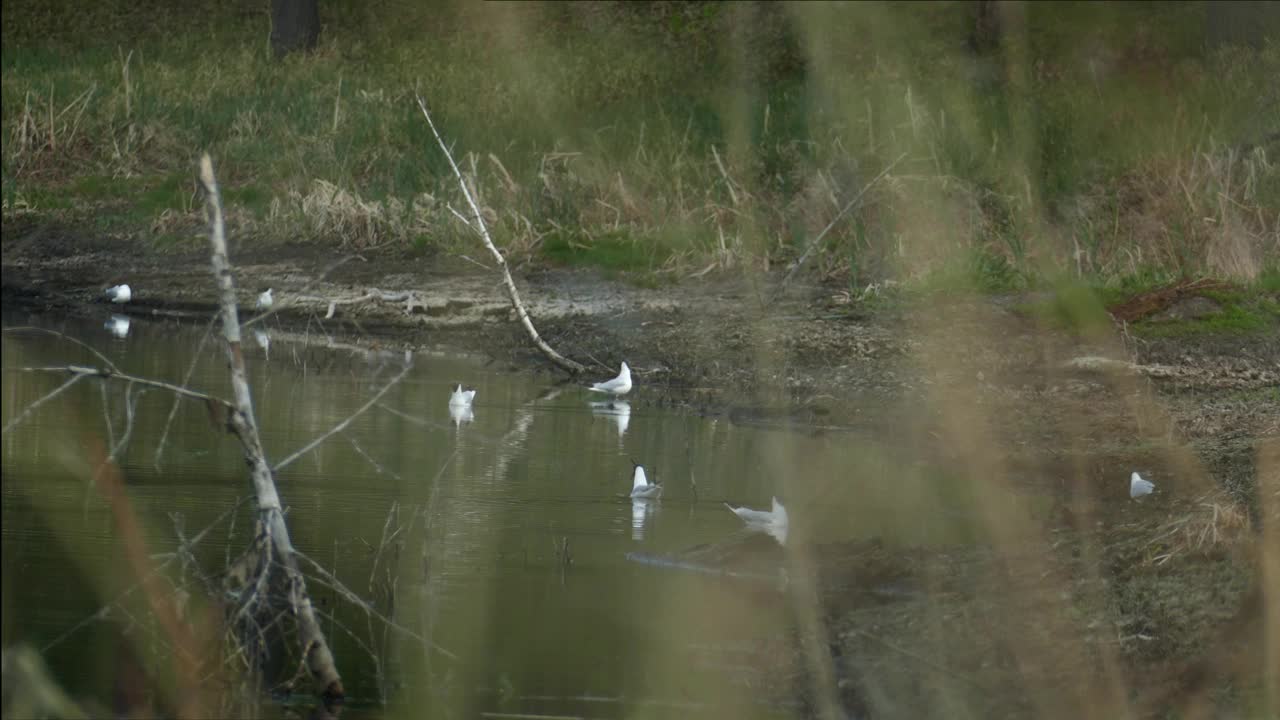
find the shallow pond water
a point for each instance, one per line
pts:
(520, 576)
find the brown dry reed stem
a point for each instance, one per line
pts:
(315, 649)
(187, 696)
(479, 227)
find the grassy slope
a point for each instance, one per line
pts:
(1104, 144)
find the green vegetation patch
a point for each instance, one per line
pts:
(616, 252)
(631, 125)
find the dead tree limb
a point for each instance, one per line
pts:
(311, 638)
(483, 231)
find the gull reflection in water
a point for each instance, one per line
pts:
(263, 338)
(119, 326)
(642, 509)
(461, 414)
(617, 410)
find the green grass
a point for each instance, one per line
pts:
(643, 138)
(1081, 308)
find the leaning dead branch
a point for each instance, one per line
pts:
(315, 649)
(476, 222)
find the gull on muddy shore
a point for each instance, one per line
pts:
(119, 293)
(620, 385)
(1139, 487)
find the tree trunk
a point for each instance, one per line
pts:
(295, 25)
(1241, 22)
(984, 38)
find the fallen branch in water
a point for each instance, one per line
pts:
(315, 649)
(480, 228)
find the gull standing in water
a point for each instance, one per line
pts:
(119, 294)
(461, 398)
(774, 522)
(641, 487)
(460, 406)
(1139, 487)
(620, 385)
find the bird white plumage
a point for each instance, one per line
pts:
(620, 385)
(119, 326)
(773, 521)
(1139, 487)
(461, 398)
(265, 300)
(119, 293)
(641, 487)
(461, 414)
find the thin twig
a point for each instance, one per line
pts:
(327, 578)
(173, 411)
(28, 328)
(345, 422)
(26, 413)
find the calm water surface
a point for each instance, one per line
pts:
(480, 508)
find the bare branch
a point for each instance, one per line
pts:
(479, 226)
(28, 328)
(35, 405)
(83, 371)
(327, 578)
(347, 421)
(173, 411)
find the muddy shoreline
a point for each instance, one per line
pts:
(1200, 407)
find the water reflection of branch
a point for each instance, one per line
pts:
(369, 459)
